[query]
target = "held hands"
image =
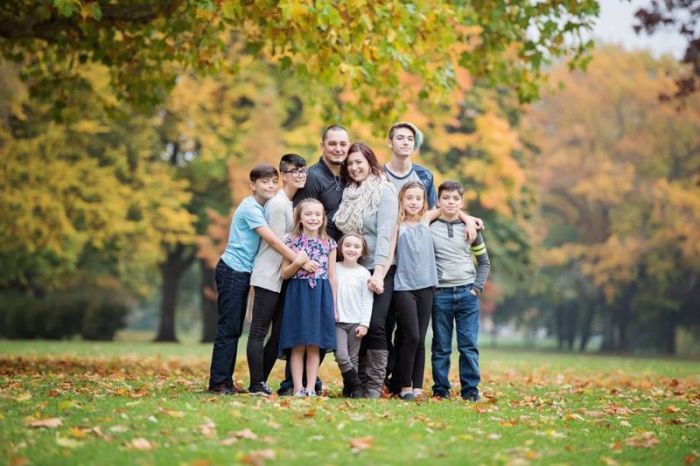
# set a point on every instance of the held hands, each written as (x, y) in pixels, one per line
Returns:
(376, 284)
(360, 331)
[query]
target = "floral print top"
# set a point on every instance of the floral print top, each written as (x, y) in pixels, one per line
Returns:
(317, 249)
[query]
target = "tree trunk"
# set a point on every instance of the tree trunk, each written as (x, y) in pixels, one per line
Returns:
(210, 313)
(586, 327)
(175, 264)
(669, 334)
(571, 324)
(559, 326)
(608, 330)
(623, 325)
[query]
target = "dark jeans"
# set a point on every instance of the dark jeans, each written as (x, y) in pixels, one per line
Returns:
(413, 310)
(455, 304)
(376, 338)
(232, 287)
(392, 341)
(267, 312)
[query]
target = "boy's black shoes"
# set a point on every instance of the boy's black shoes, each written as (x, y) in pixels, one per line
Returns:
(222, 389)
(472, 397)
(441, 395)
(262, 389)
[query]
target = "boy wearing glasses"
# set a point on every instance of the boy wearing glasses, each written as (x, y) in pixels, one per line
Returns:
(266, 278)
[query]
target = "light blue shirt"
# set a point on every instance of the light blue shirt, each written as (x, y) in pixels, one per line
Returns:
(243, 240)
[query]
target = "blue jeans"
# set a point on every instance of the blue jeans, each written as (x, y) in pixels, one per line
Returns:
(232, 287)
(450, 305)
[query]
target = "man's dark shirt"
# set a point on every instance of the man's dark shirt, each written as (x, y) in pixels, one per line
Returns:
(321, 184)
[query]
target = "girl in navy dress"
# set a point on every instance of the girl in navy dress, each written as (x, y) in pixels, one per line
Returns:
(309, 315)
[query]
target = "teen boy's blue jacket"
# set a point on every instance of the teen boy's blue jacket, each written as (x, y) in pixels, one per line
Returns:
(426, 178)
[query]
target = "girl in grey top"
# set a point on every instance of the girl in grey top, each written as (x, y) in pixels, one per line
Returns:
(414, 286)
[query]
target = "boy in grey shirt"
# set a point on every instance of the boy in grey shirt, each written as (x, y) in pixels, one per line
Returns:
(457, 297)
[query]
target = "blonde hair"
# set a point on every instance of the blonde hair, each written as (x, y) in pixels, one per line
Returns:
(298, 228)
(402, 194)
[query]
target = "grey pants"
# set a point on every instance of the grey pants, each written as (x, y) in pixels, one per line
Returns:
(372, 370)
(347, 346)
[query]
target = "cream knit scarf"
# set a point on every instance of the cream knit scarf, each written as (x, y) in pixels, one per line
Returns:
(357, 202)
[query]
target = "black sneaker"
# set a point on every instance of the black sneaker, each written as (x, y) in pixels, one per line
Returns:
(472, 397)
(222, 389)
(441, 395)
(262, 389)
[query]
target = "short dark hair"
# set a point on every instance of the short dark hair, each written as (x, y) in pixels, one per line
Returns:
(291, 161)
(450, 185)
(263, 170)
(374, 167)
(332, 128)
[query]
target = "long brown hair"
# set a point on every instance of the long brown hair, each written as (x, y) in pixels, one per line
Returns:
(362, 148)
(298, 228)
(402, 194)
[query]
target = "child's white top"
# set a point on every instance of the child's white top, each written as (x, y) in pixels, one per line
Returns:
(354, 297)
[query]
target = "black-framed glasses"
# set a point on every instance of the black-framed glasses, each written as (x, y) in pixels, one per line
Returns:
(296, 171)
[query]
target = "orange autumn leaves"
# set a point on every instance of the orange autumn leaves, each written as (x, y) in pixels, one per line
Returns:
(150, 405)
(617, 168)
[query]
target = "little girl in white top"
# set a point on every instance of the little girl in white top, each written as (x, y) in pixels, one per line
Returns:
(354, 310)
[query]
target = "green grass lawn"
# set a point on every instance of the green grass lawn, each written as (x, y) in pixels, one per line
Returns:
(142, 403)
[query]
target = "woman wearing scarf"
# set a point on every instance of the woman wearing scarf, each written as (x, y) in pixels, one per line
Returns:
(370, 207)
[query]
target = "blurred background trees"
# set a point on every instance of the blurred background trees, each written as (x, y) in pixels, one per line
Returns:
(127, 131)
(617, 173)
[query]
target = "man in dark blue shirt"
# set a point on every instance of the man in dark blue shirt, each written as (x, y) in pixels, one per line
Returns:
(324, 181)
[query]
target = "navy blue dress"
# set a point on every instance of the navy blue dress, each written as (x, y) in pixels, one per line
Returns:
(308, 316)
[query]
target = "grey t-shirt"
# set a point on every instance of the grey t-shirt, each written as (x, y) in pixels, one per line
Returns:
(415, 258)
(279, 216)
(399, 181)
(454, 256)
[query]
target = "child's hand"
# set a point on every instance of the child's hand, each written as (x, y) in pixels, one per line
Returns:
(474, 293)
(376, 284)
(470, 230)
(311, 266)
(360, 331)
(301, 258)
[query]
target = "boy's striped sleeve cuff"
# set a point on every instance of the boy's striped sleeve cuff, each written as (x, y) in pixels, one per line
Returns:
(479, 249)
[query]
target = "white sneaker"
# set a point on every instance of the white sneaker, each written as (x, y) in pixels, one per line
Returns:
(311, 393)
(301, 393)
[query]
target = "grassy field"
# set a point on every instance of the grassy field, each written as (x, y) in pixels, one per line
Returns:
(143, 403)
